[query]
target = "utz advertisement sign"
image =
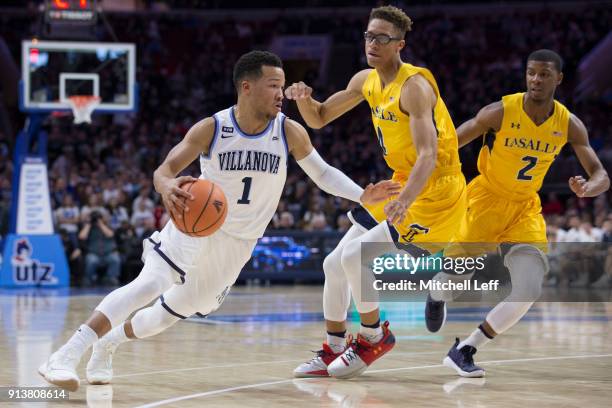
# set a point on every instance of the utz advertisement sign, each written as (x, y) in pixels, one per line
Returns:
(35, 260)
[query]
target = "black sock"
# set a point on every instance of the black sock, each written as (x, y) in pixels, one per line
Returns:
(337, 334)
(372, 326)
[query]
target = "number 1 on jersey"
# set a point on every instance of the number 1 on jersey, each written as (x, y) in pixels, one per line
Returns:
(381, 140)
(247, 190)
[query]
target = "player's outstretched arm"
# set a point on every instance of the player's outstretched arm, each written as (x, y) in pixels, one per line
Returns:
(488, 118)
(418, 100)
(318, 114)
(598, 181)
(328, 178)
(196, 141)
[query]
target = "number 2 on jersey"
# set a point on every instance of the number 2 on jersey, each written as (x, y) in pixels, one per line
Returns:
(531, 162)
(381, 140)
(247, 190)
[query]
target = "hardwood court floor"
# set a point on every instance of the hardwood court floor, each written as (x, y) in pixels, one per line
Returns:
(560, 355)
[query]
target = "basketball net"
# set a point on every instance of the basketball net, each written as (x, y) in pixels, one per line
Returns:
(82, 106)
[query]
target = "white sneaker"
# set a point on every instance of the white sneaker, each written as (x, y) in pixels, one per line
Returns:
(348, 365)
(60, 369)
(361, 354)
(317, 366)
(100, 365)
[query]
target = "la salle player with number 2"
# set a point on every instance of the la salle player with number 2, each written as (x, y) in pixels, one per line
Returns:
(524, 134)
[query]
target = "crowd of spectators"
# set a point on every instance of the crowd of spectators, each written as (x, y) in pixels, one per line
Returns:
(100, 175)
(573, 231)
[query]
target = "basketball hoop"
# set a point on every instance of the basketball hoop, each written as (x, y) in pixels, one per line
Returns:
(82, 106)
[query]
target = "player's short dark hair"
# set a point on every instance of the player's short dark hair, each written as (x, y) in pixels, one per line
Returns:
(545, 55)
(395, 16)
(249, 65)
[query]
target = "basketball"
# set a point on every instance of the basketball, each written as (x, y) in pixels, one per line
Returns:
(207, 211)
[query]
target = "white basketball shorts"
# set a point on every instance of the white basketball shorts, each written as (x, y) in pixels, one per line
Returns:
(205, 268)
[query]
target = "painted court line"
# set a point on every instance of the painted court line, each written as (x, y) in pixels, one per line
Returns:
(265, 384)
(177, 370)
(514, 360)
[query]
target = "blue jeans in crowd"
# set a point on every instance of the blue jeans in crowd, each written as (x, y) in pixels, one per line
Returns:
(111, 263)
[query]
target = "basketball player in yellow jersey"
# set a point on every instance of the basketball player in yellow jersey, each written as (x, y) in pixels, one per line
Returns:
(526, 131)
(419, 142)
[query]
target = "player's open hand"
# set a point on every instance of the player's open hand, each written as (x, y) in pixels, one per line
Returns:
(375, 193)
(175, 198)
(579, 186)
(396, 211)
(298, 91)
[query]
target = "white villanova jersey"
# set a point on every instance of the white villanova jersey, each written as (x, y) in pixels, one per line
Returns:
(251, 170)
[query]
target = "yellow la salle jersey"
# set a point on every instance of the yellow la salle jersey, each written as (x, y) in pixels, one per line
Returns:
(515, 163)
(392, 126)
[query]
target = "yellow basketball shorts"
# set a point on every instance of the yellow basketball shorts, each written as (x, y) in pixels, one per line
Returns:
(434, 217)
(491, 218)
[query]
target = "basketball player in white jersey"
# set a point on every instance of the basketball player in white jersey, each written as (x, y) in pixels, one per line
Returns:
(244, 149)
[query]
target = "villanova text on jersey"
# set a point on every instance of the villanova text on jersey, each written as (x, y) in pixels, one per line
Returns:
(250, 168)
(249, 160)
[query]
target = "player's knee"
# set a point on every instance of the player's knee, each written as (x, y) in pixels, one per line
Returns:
(332, 264)
(166, 320)
(517, 255)
(349, 254)
(151, 321)
(527, 266)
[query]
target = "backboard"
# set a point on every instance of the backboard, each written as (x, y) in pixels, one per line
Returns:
(53, 71)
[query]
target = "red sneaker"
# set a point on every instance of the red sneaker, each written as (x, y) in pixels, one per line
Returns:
(360, 355)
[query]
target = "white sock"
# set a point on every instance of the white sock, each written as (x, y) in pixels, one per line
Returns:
(372, 334)
(117, 335)
(82, 339)
(477, 339)
(336, 343)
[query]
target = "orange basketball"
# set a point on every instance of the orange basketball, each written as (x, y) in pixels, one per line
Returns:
(207, 211)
